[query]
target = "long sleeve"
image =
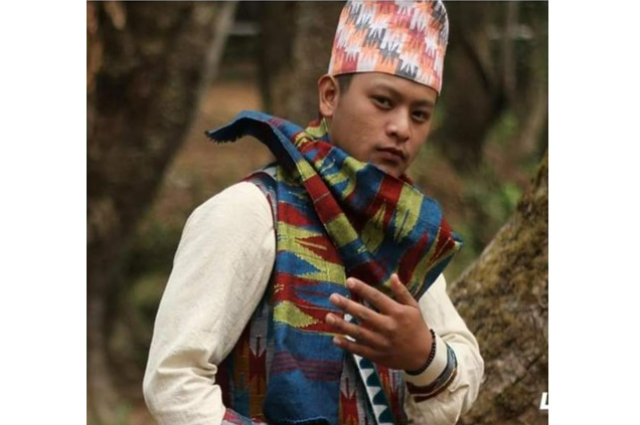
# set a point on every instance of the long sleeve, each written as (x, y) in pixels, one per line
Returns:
(456, 397)
(220, 272)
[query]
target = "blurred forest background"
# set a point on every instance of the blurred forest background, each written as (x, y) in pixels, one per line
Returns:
(160, 73)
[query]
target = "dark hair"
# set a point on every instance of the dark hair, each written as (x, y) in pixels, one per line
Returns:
(344, 81)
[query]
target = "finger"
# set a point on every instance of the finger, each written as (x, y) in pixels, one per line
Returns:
(362, 335)
(380, 301)
(359, 311)
(402, 294)
(355, 348)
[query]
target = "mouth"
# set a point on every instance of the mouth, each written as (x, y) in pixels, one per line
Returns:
(394, 154)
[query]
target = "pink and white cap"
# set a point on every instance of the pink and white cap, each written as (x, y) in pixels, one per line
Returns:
(403, 38)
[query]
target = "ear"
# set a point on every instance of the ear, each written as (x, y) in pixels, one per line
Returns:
(328, 95)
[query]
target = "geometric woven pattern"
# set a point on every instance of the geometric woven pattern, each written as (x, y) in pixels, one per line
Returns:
(336, 217)
(404, 38)
(375, 393)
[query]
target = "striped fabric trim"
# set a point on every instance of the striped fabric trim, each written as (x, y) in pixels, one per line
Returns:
(421, 393)
(437, 366)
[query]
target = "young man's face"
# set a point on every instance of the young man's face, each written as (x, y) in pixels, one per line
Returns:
(381, 118)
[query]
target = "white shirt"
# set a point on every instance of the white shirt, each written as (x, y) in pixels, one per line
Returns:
(220, 272)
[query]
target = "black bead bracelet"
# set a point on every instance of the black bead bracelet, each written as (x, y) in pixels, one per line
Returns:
(432, 356)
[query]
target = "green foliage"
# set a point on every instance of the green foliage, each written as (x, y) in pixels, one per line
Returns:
(148, 265)
(504, 130)
(489, 202)
(122, 413)
(154, 246)
(479, 203)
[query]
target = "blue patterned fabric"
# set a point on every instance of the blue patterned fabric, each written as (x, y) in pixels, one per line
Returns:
(336, 217)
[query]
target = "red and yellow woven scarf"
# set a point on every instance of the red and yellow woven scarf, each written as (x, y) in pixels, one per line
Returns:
(336, 217)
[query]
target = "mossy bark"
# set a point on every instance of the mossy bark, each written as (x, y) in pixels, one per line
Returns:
(503, 297)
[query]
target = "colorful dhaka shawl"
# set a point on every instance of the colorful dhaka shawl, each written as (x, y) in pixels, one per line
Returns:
(336, 217)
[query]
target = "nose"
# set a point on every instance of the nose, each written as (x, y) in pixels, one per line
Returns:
(399, 126)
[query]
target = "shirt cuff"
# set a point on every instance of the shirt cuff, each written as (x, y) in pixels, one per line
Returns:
(437, 376)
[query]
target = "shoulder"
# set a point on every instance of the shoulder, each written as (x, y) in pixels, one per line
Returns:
(237, 214)
(242, 201)
(237, 219)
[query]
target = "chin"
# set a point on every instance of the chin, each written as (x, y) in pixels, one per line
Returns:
(395, 172)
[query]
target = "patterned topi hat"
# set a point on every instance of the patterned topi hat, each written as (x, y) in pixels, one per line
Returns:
(404, 38)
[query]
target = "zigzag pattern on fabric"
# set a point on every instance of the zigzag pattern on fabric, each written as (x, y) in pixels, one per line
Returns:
(336, 217)
(243, 373)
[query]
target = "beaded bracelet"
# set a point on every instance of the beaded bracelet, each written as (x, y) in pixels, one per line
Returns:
(432, 356)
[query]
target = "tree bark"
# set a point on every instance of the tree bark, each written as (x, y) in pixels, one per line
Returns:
(496, 61)
(296, 47)
(503, 296)
(472, 96)
(148, 65)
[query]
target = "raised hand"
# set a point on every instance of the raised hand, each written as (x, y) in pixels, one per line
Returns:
(394, 334)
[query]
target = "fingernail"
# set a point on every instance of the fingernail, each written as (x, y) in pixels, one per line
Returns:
(330, 319)
(335, 299)
(336, 340)
(351, 283)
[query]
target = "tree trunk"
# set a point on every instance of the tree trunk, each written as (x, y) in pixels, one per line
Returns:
(472, 97)
(296, 47)
(495, 65)
(504, 298)
(148, 65)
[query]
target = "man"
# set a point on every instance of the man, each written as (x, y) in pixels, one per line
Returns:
(312, 293)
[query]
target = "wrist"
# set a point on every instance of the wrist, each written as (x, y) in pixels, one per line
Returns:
(430, 357)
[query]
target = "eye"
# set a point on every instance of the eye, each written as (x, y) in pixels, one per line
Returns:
(421, 116)
(382, 101)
